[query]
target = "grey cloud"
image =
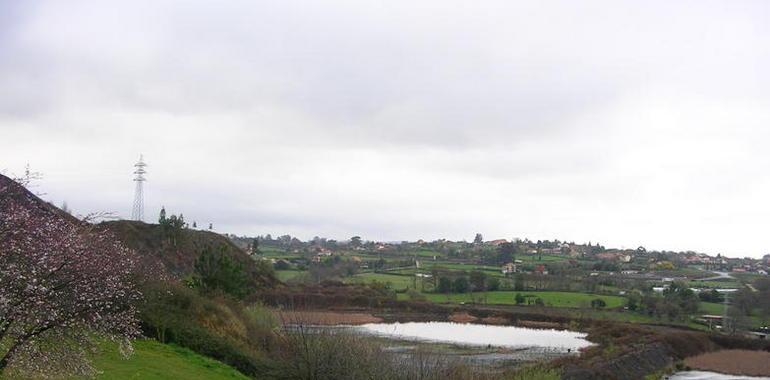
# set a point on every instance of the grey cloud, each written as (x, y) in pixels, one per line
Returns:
(604, 120)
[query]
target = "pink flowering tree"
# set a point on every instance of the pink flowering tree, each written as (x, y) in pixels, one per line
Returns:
(64, 286)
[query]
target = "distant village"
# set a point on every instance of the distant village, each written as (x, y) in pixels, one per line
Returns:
(627, 262)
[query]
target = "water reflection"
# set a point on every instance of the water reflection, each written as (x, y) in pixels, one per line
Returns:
(479, 335)
(703, 375)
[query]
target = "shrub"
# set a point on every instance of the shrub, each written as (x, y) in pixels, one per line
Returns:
(493, 283)
(218, 327)
(281, 265)
(444, 285)
(307, 353)
(519, 283)
(634, 299)
(598, 303)
(415, 295)
(460, 284)
(711, 296)
(216, 271)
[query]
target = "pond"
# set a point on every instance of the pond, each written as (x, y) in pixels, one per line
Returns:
(479, 335)
(487, 347)
(703, 375)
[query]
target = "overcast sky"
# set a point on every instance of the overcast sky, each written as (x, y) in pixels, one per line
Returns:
(624, 122)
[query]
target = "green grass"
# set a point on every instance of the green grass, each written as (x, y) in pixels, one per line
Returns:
(489, 271)
(714, 284)
(539, 259)
(429, 253)
(712, 308)
(553, 299)
(746, 277)
(285, 275)
(273, 251)
(397, 282)
(152, 360)
(426, 265)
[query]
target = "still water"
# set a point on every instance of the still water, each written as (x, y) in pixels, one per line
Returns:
(479, 335)
(703, 375)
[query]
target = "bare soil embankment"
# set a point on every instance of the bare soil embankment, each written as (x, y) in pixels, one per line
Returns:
(734, 362)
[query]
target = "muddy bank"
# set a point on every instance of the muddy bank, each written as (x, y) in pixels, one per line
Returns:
(734, 362)
(463, 317)
(324, 318)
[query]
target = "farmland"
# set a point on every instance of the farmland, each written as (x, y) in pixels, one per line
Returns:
(395, 281)
(550, 299)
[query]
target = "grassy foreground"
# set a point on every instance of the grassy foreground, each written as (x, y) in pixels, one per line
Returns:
(153, 360)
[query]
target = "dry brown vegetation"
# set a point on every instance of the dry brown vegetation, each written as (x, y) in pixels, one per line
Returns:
(735, 362)
(313, 354)
(539, 325)
(492, 320)
(325, 318)
(462, 317)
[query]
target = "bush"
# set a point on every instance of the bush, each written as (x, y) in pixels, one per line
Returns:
(282, 265)
(444, 285)
(711, 296)
(218, 328)
(634, 299)
(598, 303)
(215, 271)
(519, 283)
(415, 295)
(460, 284)
(493, 284)
(329, 354)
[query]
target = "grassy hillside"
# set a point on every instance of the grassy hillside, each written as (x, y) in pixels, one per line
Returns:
(179, 257)
(154, 361)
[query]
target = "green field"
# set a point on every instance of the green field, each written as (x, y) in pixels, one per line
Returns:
(152, 360)
(272, 251)
(285, 275)
(712, 308)
(427, 268)
(714, 284)
(397, 282)
(554, 299)
(540, 259)
(747, 277)
(429, 253)
(278, 253)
